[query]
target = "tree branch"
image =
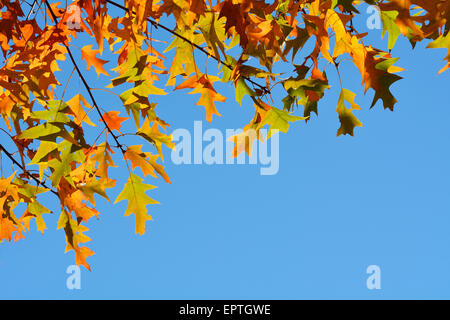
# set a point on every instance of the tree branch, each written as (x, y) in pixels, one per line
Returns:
(31, 9)
(119, 145)
(157, 24)
(39, 182)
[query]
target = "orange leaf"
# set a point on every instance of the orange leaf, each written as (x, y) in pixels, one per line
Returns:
(204, 86)
(90, 56)
(146, 161)
(113, 120)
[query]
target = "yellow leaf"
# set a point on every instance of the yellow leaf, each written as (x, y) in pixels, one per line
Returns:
(76, 106)
(146, 161)
(135, 193)
(204, 86)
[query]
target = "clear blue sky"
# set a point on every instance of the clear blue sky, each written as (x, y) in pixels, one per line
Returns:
(337, 205)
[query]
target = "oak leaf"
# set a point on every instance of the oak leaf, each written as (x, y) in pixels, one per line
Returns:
(135, 193)
(90, 56)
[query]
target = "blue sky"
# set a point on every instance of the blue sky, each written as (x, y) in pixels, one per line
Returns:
(336, 206)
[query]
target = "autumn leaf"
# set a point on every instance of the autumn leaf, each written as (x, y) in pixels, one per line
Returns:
(135, 193)
(146, 161)
(388, 18)
(113, 120)
(90, 56)
(77, 105)
(346, 116)
(244, 141)
(155, 137)
(204, 86)
(275, 56)
(242, 89)
(95, 186)
(74, 238)
(442, 42)
(278, 120)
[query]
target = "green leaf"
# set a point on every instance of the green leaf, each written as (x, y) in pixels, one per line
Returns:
(389, 26)
(213, 31)
(45, 149)
(346, 116)
(142, 89)
(297, 43)
(385, 81)
(442, 42)
(278, 120)
(297, 89)
(40, 131)
(37, 210)
(92, 187)
(347, 4)
(152, 135)
(62, 167)
(54, 113)
(135, 193)
(243, 89)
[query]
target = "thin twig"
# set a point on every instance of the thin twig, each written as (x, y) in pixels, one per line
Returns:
(39, 182)
(88, 88)
(158, 25)
(32, 9)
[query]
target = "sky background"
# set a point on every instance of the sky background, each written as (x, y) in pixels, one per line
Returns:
(336, 206)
